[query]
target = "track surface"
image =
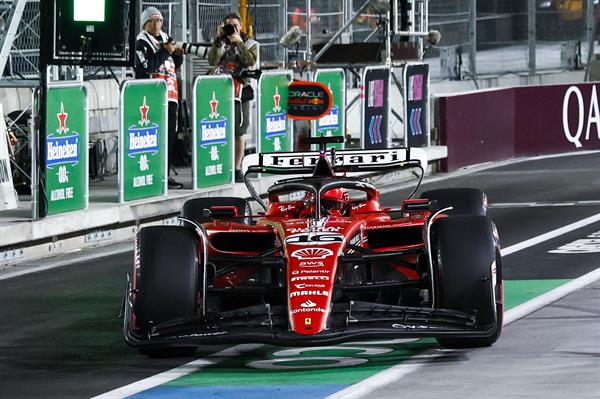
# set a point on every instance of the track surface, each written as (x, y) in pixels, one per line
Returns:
(60, 336)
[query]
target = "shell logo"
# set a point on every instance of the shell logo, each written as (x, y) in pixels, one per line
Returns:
(312, 253)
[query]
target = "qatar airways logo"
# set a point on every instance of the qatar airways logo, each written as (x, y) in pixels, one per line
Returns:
(574, 97)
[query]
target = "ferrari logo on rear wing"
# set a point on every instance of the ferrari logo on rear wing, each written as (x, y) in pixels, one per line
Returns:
(346, 160)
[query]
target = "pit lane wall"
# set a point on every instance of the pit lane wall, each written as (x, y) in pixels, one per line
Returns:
(500, 124)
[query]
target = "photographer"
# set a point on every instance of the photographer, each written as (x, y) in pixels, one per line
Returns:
(157, 57)
(232, 53)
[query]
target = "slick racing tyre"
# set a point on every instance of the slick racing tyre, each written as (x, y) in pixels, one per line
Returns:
(194, 208)
(166, 280)
(467, 275)
(465, 201)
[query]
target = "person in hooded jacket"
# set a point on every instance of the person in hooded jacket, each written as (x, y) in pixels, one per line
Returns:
(156, 57)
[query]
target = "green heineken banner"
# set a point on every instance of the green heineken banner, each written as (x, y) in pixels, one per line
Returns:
(143, 139)
(66, 183)
(274, 127)
(333, 124)
(213, 153)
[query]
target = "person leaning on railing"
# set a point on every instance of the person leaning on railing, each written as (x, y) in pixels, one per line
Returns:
(233, 52)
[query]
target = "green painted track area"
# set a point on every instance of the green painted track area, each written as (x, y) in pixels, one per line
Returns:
(275, 372)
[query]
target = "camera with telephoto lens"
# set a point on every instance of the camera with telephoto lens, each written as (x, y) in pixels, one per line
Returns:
(244, 74)
(228, 30)
(197, 49)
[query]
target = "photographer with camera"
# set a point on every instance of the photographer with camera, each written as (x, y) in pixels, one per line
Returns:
(156, 56)
(233, 52)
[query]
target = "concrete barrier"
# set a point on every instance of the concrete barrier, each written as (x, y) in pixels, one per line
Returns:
(500, 124)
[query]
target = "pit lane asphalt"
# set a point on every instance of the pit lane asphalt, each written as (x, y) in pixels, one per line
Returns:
(60, 336)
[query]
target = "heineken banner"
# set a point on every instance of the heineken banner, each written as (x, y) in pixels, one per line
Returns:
(416, 108)
(375, 108)
(333, 124)
(143, 139)
(213, 152)
(66, 183)
(274, 127)
(8, 198)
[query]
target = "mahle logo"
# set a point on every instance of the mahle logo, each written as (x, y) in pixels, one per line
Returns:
(213, 130)
(62, 146)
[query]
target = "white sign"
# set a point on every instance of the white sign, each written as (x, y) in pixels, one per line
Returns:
(8, 198)
(588, 245)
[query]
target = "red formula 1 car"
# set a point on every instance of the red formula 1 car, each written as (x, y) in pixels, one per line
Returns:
(324, 263)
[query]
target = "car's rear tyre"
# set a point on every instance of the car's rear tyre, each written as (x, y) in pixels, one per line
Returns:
(194, 209)
(465, 201)
(467, 275)
(166, 281)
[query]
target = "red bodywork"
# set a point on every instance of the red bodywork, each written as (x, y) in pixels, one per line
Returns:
(312, 248)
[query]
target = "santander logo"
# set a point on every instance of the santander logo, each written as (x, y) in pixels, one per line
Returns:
(308, 304)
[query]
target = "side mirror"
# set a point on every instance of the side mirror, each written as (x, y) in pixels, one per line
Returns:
(308, 100)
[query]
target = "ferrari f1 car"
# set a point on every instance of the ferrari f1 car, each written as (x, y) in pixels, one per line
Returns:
(324, 263)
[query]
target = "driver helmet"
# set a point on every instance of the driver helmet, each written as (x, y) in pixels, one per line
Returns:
(335, 199)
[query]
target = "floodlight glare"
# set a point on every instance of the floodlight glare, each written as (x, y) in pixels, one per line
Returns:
(88, 10)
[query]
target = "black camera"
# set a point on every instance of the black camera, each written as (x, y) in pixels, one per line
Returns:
(228, 30)
(248, 74)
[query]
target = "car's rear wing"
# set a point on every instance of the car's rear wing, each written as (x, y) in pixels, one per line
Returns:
(345, 160)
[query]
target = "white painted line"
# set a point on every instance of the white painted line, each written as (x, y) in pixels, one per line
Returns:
(503, 205)
(550, 235)
(379, 380)
(393, 374)
(156, 380)
(480, 168)
(64, 262)
(173, 374)
(551, 296)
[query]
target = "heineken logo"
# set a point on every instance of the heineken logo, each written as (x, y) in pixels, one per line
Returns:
(275, 125)
(276, 100)
(276, 121)
(61, 149)
(143, 138)
(331, 120)
(62, 120)
(213, 130)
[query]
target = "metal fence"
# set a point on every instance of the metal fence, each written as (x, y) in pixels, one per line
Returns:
(479, 37)
(25, 51)
(495, 37)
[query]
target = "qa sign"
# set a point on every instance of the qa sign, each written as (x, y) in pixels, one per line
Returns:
(574, 98)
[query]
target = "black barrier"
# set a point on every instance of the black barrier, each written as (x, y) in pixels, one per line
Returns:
(376, 108)
(416, 95)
